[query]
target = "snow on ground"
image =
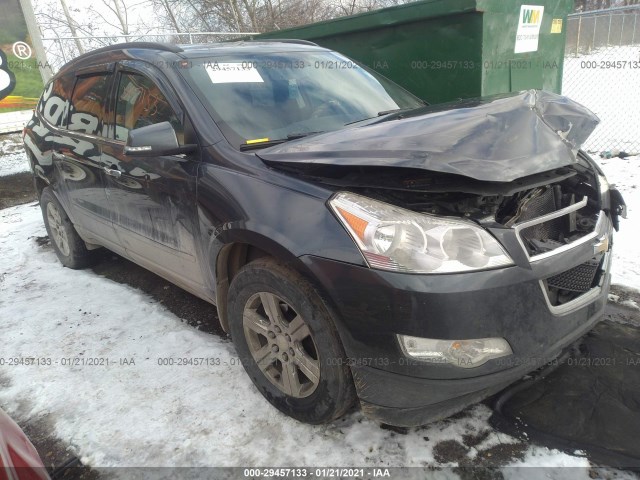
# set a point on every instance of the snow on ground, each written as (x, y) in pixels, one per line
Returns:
(144, 414)
(611, 93)
(625, 174)
(12, 157)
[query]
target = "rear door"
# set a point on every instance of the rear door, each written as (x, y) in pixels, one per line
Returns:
(77, 154)
(153, 198)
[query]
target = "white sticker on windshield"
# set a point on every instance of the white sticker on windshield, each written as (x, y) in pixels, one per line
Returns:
(223, 72)
(130, 94)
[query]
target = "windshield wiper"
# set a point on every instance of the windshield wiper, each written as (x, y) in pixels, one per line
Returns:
(381, 114)
(295, 135)
(395, 110)
(269, 143)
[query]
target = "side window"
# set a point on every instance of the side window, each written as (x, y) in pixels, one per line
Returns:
(140, 103)
(89, 104)
(54, 102)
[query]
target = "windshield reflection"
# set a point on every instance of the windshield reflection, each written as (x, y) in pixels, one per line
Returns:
(271, 97)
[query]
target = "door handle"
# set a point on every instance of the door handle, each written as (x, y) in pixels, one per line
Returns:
(113, 172)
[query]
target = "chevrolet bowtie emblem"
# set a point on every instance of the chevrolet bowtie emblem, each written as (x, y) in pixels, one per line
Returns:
(601, 245)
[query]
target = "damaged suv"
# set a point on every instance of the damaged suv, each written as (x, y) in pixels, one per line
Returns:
(358, 243)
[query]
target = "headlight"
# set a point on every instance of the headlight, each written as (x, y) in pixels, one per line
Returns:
(392, 238)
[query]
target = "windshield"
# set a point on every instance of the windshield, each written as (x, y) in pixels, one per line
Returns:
(257, 98)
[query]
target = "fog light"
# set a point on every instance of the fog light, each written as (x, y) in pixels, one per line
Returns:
(459, 353)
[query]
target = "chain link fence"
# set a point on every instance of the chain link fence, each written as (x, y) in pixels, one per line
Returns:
(602, 71)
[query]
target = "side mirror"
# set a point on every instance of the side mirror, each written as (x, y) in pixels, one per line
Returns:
(155, 140)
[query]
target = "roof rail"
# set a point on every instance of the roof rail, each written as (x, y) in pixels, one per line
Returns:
(167, 47)
(285, 40)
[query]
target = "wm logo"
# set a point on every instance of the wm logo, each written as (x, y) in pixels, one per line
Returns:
(531, 16)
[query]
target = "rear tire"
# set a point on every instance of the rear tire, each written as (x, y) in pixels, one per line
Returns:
(287, 342)
(69, 247)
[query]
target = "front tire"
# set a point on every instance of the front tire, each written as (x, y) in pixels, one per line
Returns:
(287, 342)
(69, 247)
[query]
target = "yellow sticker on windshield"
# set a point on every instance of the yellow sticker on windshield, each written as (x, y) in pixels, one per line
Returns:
(257, 140)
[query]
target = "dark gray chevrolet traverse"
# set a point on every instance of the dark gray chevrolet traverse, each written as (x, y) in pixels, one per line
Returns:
(358, 243)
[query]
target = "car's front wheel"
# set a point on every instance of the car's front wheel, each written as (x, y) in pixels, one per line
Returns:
(288, 343)
(69, 247)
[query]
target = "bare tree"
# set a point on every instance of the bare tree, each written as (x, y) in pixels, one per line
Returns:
(88, 24)
(118, 17)
(587, 5)
(56, 19)
(71, 24)
(256, 15)
(181, 16)
(167, 7)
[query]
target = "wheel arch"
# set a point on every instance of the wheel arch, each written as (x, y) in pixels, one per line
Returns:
(238, 251)
(39, 183)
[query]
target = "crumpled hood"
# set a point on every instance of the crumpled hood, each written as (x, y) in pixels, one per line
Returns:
(497, 139)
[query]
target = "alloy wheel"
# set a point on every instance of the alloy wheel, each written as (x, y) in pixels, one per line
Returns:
(57, 229)
(281, 344)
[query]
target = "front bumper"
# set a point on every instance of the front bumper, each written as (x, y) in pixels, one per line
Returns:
(374, 306)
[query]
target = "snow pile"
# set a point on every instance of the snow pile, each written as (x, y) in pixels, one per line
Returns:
(12, 156)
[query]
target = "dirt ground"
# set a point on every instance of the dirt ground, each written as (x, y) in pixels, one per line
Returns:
(18, 189)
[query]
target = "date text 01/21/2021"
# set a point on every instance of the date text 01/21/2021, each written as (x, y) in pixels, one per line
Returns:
(324, 472)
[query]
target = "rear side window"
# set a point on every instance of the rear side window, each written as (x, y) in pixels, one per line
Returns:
(89, 105)
(140, 103)
(54, 103)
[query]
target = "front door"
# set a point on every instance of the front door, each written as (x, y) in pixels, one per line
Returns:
(153, 198)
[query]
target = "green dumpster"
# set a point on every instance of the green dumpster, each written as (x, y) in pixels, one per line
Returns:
(443, 50)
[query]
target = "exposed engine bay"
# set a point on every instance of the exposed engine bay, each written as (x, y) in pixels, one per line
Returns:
(494, 204)
(535, 203)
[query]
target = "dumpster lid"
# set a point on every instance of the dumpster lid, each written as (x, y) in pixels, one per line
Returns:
(385, 17)
(499, 138)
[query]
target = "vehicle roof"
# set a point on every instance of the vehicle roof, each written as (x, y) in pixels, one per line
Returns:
(167, 52)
